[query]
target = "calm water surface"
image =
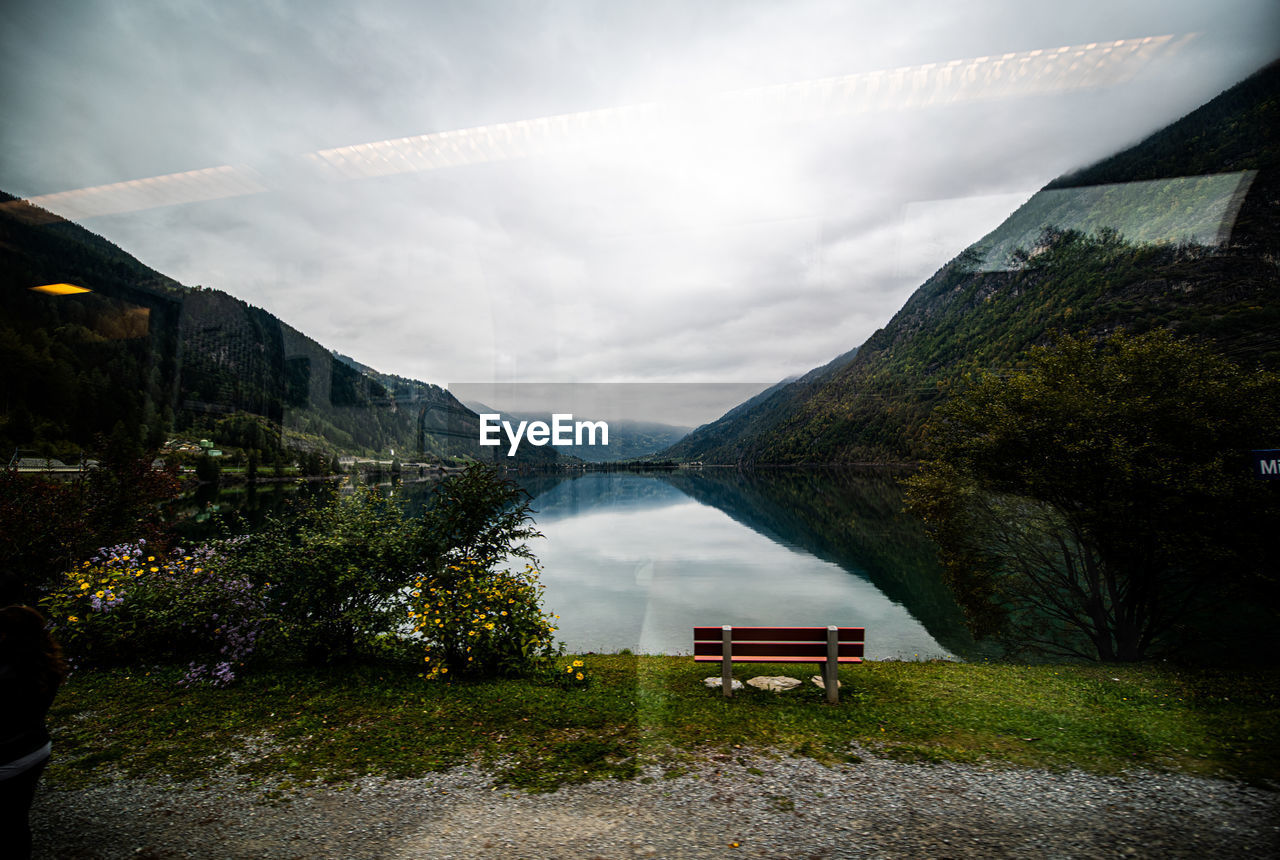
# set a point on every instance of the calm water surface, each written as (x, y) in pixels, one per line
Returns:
(637, 560)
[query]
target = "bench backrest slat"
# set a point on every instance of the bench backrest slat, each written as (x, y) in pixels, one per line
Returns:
(779, 634)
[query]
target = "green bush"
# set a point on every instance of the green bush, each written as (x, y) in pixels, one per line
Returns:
(343, 572)
(336, 571)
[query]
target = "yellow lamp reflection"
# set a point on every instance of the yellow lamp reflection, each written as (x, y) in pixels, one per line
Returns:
(60, 289)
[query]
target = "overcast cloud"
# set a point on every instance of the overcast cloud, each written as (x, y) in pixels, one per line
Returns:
(696, 249)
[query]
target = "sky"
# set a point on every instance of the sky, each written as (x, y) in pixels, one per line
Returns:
(639, 192)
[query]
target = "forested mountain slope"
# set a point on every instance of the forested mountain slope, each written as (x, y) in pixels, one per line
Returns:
(144, 356)
(1178, 231)
(718, 441)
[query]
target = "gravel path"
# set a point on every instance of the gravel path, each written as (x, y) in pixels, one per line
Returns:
(724, 807)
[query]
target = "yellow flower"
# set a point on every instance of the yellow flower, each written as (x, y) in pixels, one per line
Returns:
(101, 594)
(83, 586)
(155, 570)
(151, 558)
(578, 663)
(578, 676)
(568, 670)
(73, 619)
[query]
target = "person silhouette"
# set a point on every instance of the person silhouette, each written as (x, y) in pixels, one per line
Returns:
(31, 670)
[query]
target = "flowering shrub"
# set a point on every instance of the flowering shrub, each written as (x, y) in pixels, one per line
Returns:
(126, 604)
(477, 622)
(574, 675)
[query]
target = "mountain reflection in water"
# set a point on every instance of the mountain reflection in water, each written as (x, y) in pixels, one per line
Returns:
(636, 560)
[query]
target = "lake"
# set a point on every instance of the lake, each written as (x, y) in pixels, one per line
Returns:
(636, 560)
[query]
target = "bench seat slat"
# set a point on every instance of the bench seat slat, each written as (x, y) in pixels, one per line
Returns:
(773, 658)
(793, 650)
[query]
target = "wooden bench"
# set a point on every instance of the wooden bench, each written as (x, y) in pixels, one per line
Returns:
(828, 647)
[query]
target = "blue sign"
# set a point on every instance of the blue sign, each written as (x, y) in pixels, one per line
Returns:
(1266, 465)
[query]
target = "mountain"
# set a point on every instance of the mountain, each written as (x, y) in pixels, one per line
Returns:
(1178, 231)
(140, 356)
(243, 368)
(718, 441)
(633, 440)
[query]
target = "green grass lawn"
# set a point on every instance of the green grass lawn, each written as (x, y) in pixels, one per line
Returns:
(299, 724)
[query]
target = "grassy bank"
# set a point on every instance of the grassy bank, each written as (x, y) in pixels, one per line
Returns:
(303, 724)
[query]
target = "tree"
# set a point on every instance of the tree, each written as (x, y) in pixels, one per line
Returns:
(208, 470)
(474, 616)
(479, 517)
(1090, 503)
(48, 522)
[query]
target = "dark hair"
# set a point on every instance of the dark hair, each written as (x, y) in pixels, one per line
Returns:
(26, 645)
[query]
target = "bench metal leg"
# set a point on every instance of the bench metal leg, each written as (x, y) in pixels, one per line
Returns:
(726, 662)
(831, 671)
